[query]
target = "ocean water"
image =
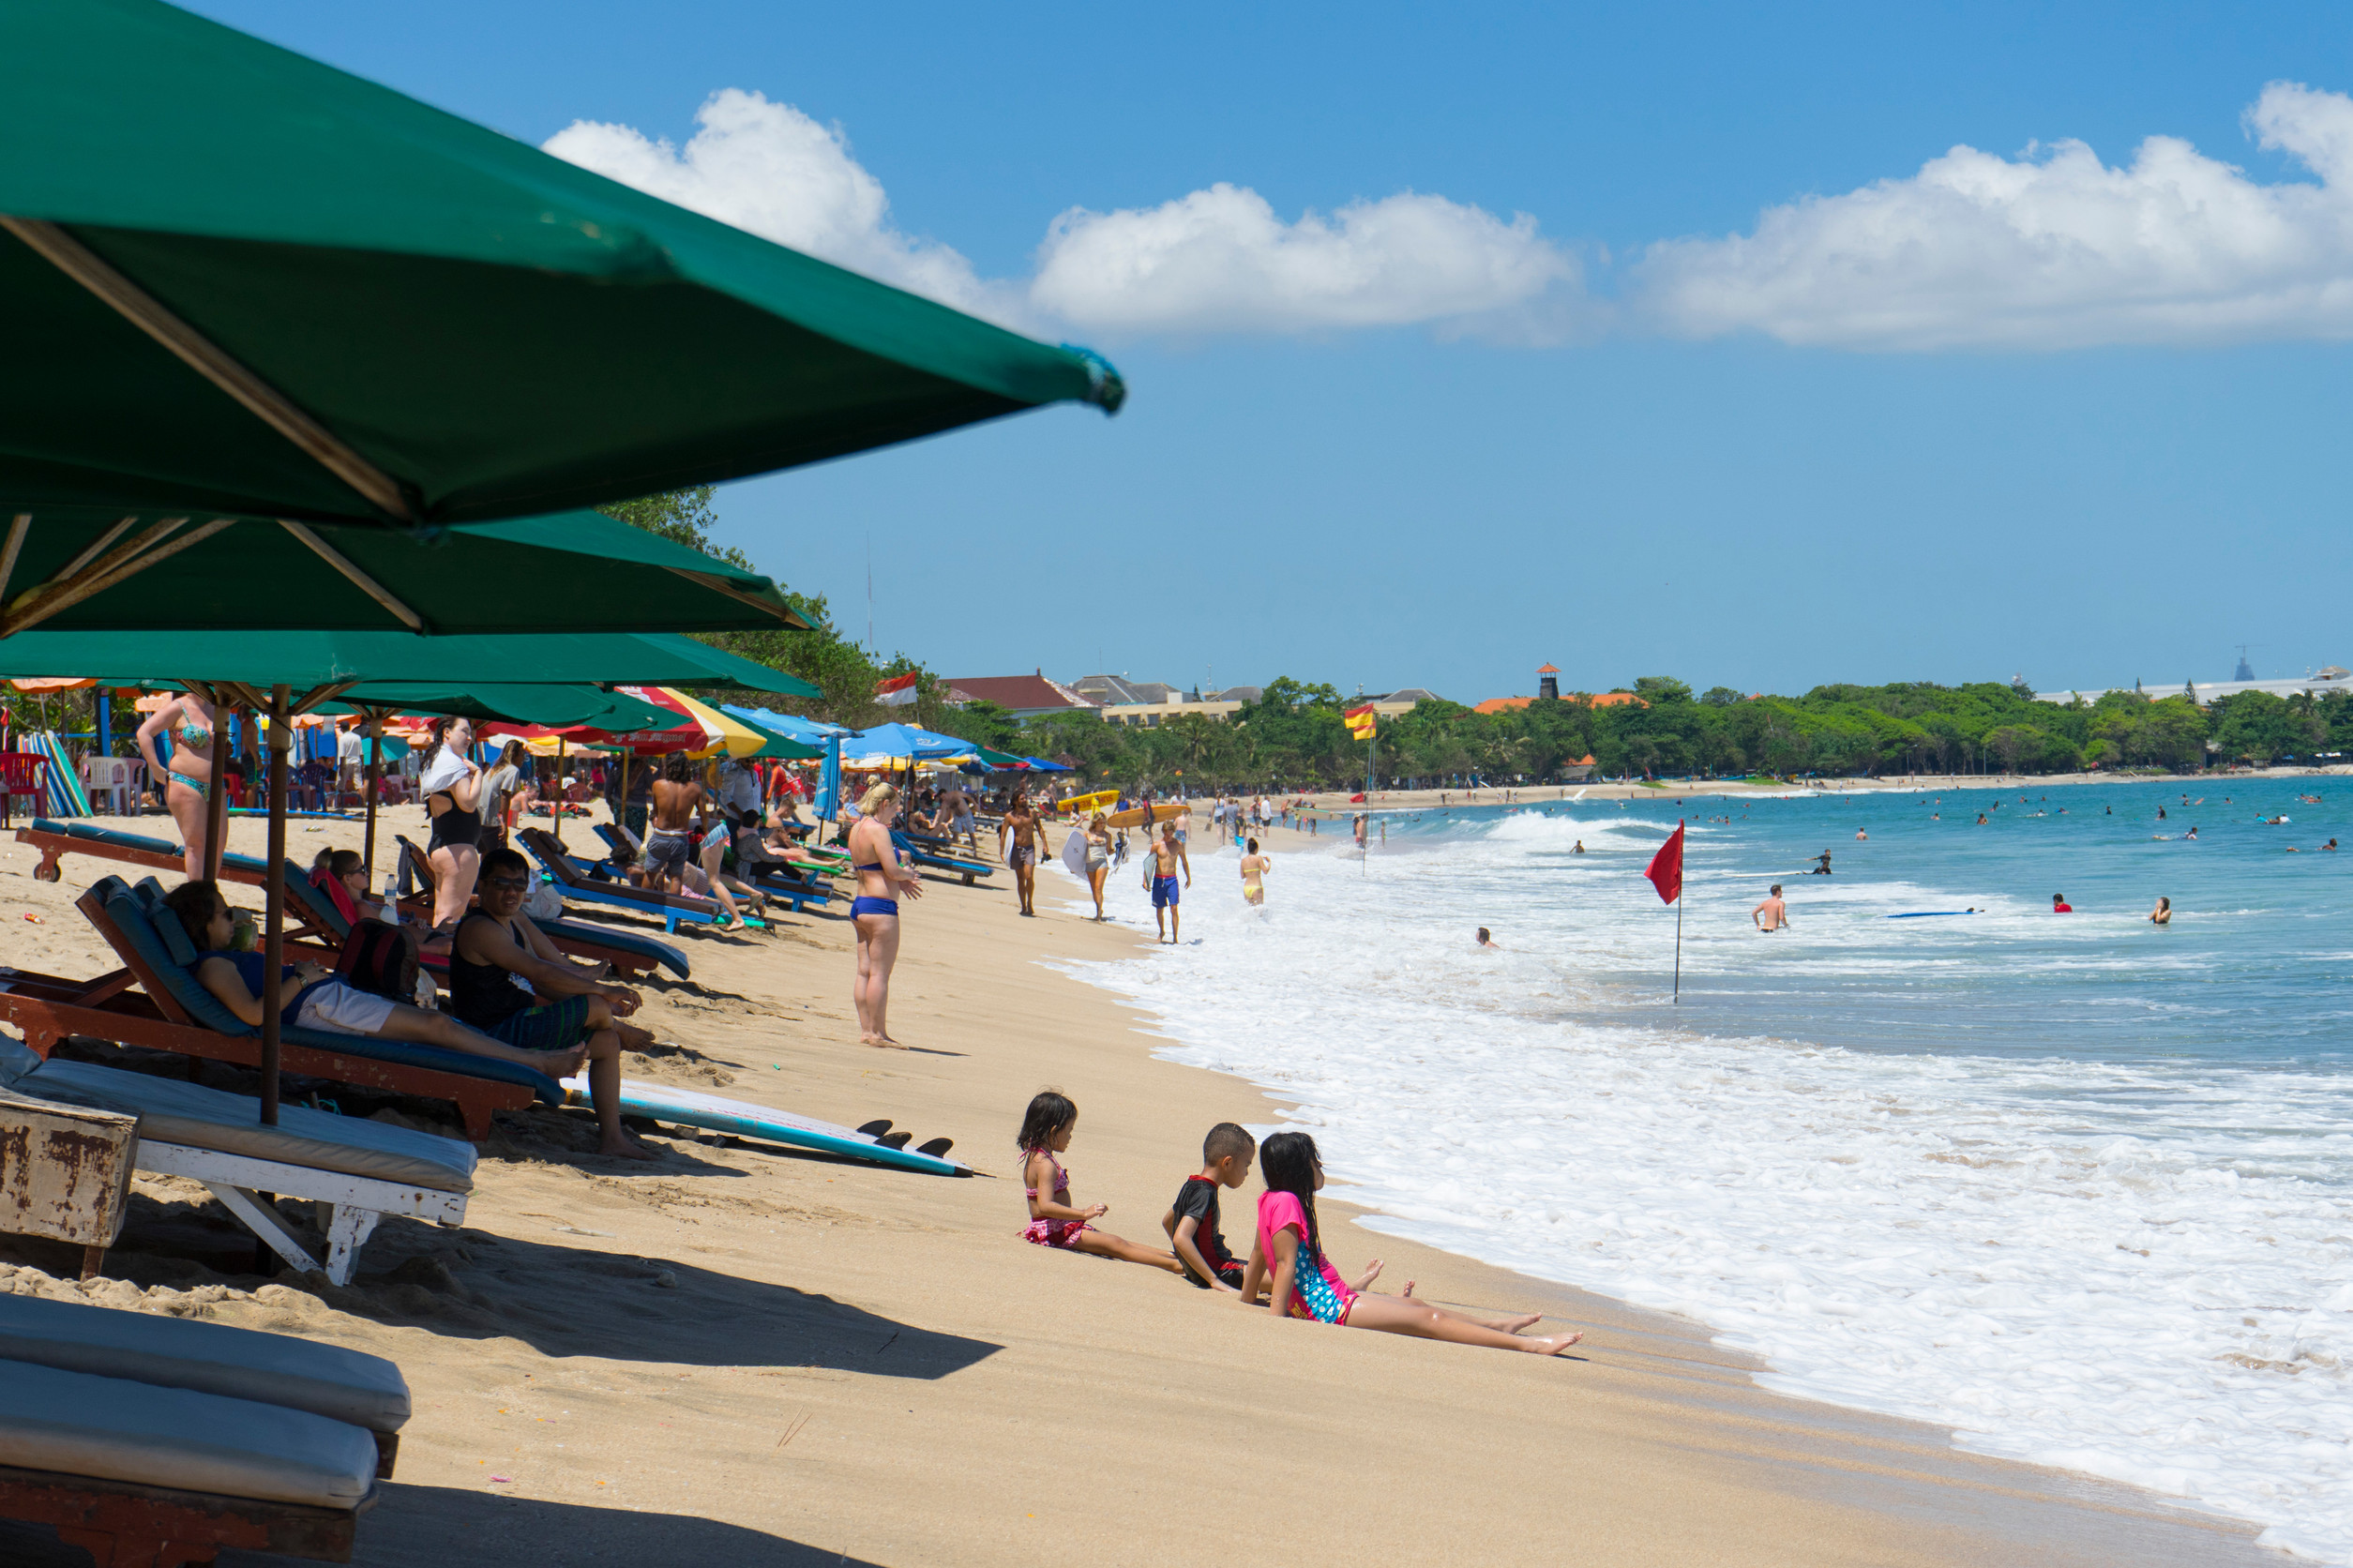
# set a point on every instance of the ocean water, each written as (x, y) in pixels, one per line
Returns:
(2078, 1188)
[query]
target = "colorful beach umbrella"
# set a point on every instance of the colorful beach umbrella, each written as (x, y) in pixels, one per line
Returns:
(235, 280)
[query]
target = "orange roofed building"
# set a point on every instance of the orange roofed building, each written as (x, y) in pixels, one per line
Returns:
(1600, 699)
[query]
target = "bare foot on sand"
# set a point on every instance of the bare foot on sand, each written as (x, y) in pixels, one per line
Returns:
(621, 1146)
(884, 1041)
(1553, 1346)
(1526, 1320)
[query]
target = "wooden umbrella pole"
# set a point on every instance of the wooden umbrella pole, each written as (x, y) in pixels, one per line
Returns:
(216, 799)
(371, 727)
(282, 733)
(563, 796)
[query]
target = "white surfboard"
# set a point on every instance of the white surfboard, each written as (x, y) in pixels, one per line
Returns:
(683, 1107)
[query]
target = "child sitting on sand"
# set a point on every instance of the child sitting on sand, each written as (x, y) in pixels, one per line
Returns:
(1191, 1221)
(1046, 1130)
(1290, 1250)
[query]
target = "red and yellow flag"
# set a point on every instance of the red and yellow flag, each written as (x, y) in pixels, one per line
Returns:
(1360, 722)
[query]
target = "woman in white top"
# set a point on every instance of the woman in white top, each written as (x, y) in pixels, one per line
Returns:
(452, 787)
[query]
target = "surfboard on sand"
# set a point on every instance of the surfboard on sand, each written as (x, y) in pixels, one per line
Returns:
(683, 1107)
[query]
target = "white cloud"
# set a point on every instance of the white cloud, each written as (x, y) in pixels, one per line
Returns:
(1216, 261)
(1220, 261)
(2041, 252)
(769, 167)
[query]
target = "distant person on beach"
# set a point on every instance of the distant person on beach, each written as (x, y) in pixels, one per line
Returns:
(1286, 1259)
(1192, 1222)
(1860, 833)
(1047, 1127)
(670, 828)
(2060, 904)
(2163, 914)
(1487, 941)
(1772, 915)
(883, 879)
(1254, 869)
(452, 787)
(1168, 859)
(1581, 848)
(1025, 845)
(1822, 868)
(1980, 820)
(2191, 836)
(188, 781)
(1098, 836)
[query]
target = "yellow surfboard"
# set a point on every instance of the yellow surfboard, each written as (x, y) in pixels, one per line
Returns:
(1078, 805)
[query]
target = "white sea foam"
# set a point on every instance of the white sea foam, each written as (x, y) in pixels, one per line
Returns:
(2142, 1271)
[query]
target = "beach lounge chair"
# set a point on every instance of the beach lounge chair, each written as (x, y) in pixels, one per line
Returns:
(175, 1014)
(155, 1441)
(573, 882)
(629, 953)
(357, 1171)
(967, 869)
(796, 889)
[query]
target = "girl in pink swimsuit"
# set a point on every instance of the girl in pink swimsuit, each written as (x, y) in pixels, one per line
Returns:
(1045, 1132)
(1289, 1255)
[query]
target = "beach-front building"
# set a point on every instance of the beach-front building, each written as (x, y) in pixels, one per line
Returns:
(1148, 704)
(2328, 678)
(1591, 699)
(1030, 696)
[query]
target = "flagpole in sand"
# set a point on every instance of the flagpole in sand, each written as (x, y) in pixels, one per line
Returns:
(1666, 874)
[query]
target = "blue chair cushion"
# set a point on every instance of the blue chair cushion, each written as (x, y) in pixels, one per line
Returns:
(97, 835)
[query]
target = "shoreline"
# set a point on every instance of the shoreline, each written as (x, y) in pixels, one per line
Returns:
(814, 1352)
(1336, 804)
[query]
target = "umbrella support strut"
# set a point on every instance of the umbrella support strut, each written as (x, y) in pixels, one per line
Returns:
(69, 256)
(282, 734)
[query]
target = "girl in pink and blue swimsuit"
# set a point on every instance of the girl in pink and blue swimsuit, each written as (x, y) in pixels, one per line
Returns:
(1288, 1258)
(1045, 1132)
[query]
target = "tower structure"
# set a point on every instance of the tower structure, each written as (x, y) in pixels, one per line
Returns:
(1547, 683)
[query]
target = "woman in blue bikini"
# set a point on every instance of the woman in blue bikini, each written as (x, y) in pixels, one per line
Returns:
(881, 879)
(188, 778)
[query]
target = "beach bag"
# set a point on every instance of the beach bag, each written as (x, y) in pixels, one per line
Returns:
(543, 902)
(380, 958)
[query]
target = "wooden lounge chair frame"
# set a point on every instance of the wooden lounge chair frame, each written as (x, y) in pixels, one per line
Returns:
(122, 1523)
(572, 938)
(46, 1010)
(353, 1206)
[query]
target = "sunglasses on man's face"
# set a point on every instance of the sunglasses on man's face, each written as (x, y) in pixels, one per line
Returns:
(512, 885)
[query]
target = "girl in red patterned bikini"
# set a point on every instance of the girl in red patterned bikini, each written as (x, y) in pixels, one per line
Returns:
(1046, 1131)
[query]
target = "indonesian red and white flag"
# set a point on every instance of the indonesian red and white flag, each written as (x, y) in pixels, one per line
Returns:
(1667, 867)
(898, 691)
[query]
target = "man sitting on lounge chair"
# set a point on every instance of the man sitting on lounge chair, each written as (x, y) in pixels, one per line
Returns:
(314, 998)
(508, 979)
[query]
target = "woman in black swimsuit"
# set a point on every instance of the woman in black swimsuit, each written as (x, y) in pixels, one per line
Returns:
(453, 801)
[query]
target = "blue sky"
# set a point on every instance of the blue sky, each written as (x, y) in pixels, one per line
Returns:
(2039, 410)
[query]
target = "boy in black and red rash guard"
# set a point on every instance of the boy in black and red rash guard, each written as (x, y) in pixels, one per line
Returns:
(1191, 1222)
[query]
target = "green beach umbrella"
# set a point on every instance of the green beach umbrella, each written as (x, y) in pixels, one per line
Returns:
(321, 666)
(234, 279)
(555, 706)
(91, 569)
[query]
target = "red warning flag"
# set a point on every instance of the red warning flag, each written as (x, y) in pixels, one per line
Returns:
(1667, 867)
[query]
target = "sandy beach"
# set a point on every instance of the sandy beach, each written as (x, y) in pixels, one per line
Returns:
(748, 1355)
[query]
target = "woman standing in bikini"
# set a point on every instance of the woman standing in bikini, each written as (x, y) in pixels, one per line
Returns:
(882, 881)
(188, 782)
(452, 787)
(1098, 859)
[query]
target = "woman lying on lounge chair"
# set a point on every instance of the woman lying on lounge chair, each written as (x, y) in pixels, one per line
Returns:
(314, 998)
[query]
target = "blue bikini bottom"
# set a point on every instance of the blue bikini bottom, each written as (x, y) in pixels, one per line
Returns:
(864, 905)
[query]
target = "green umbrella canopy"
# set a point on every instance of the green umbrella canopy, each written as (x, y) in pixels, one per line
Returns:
(91, 569)
(323, 666)
(556, 706)
(719, 668)
(237, 280)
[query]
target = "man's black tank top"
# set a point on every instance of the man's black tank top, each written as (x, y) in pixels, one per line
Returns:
(483, 995)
